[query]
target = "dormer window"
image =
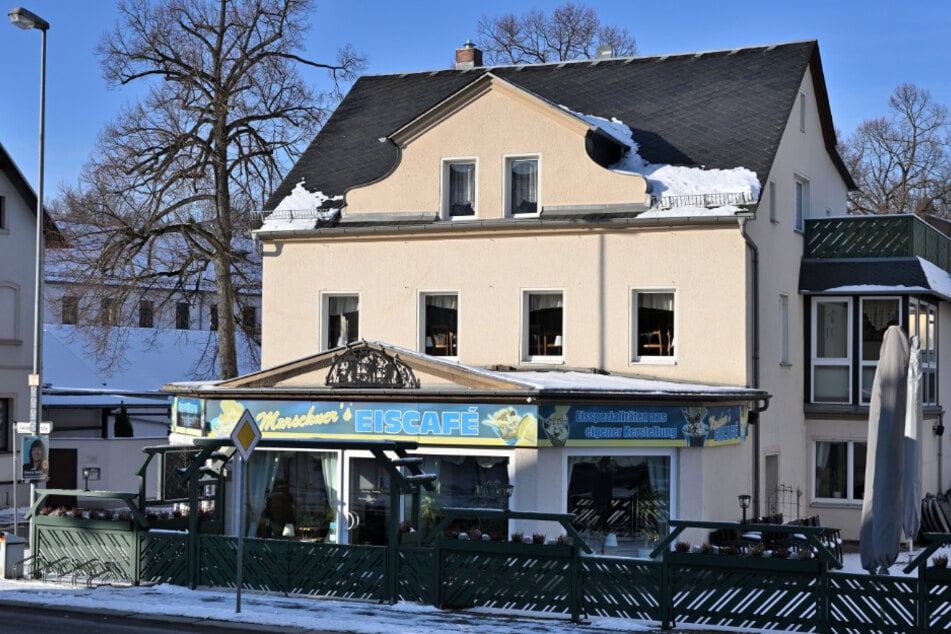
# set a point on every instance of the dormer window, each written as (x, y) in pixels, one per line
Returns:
(522, 186)
(459, 178)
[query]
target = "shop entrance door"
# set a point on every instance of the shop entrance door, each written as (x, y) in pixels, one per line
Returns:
(369, 502)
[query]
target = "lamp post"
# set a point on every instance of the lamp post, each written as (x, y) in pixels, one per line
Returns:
(744, 504)
(24, 19)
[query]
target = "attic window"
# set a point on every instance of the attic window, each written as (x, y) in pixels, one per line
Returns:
(459, 185)
(522, 186)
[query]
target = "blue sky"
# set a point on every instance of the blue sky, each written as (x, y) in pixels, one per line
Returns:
(868, 48)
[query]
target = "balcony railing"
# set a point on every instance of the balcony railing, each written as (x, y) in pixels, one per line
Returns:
(891, 236)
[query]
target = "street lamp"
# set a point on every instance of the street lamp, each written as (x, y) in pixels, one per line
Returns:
(24, 19)
(744, 504)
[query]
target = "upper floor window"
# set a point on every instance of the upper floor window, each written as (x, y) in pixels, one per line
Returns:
(9, 309)
(3, 212)
(839, 472)
(544, 316)
(522, 185)
(922, 320)
(800, 202)
(877, 315)
(771, 198)
(146, 314)
(69, 310)
(342, 324)
(182, 316)
(653, 321)
(459, 184)
(5, 416)
(831, 351)
(784, 329)
(249, 319)
(802, 111)
(441, 324)
(109, 312)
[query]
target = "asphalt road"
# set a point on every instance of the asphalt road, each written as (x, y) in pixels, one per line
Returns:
(36, 619)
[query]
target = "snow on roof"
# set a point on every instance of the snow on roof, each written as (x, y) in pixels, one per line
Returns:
(669, 182)
(301, 209)
(594, 382)
(153, 357)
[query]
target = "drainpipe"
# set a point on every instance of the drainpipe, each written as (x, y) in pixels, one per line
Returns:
(755, 412)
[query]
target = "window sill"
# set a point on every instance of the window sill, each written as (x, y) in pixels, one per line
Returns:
(11, 342)
(786, 364)
(654, 361)
(544, 361)
(835, 503)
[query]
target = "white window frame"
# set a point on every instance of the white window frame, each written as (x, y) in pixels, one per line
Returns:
(929, 362)
(421, 304)
(507, 189)
(525, 329)
(325, 314)
(633, 331)
(863, 364)
(846, 499)
(846, 361)
(444, 184)
(801, 201)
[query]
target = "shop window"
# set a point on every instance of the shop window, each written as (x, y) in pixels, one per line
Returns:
(440, 325)
(342, 324)
(522, 186)
(478, 481)
(182, 316)
(877, 315)
(839, 470)
(459, 185)
(653, 320)
(69, 310)
(922, 323)
(831, 351)
(544, 313)
(628, 496)
(146, 314)
(293, 494)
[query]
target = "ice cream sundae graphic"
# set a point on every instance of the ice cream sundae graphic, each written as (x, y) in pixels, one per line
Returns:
(695, 431)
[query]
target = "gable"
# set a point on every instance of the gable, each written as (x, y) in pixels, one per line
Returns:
(485, 124)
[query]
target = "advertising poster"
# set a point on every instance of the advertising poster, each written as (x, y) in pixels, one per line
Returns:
(36, 463)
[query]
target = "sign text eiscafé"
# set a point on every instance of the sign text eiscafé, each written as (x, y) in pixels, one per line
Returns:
(472, 423)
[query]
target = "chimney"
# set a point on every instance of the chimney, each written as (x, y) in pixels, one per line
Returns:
(604, 51)
(468, 56)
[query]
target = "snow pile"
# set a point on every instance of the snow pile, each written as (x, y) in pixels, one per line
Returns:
(301, 209)
(701, 192)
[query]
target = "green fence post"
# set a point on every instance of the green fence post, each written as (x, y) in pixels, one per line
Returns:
(824, 602)
(575, 575)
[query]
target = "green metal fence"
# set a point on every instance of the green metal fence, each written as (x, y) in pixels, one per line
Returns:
(744, 591)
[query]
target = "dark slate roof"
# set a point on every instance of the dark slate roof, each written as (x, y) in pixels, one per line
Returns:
(720, 109)
(887, 274)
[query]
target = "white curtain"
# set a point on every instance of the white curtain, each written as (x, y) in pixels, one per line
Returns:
(525, 186)
(330, 466)
(462, 188)
(449, 302)
(342, 306)
(544, 301)
(260, 479)
(657, 301)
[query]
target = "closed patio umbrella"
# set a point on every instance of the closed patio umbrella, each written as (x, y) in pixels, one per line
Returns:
(912, 484)
(882, 508)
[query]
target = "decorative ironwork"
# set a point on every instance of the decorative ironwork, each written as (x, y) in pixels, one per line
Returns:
(363, 366)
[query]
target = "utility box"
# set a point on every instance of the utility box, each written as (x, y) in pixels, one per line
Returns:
(12, 550)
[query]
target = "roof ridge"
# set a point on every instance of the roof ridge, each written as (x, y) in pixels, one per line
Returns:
(575, 62)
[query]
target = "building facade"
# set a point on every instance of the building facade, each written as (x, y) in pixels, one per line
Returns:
(617, 243)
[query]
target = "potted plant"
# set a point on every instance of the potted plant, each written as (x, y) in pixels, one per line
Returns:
(682, 547)
(939, 561)
(650, 516)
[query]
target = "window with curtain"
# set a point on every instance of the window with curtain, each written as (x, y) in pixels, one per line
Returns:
(877, 315)
(440, 325)
(523, 186)
(839, 470)
(293, 495)
(343, 320)
(831, 355)
(545, 336)
(460, 178)
(653, 319)
(625, 495)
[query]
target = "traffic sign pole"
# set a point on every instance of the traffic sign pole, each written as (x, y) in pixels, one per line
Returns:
(245, 437)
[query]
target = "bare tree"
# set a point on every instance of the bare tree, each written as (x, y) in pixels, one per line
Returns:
(173, 179)
(901, 162)
(571, 32)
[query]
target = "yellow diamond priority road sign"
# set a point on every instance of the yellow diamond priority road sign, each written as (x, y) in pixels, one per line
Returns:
(245, 434)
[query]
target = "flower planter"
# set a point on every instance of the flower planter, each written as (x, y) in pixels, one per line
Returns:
(743, 562)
